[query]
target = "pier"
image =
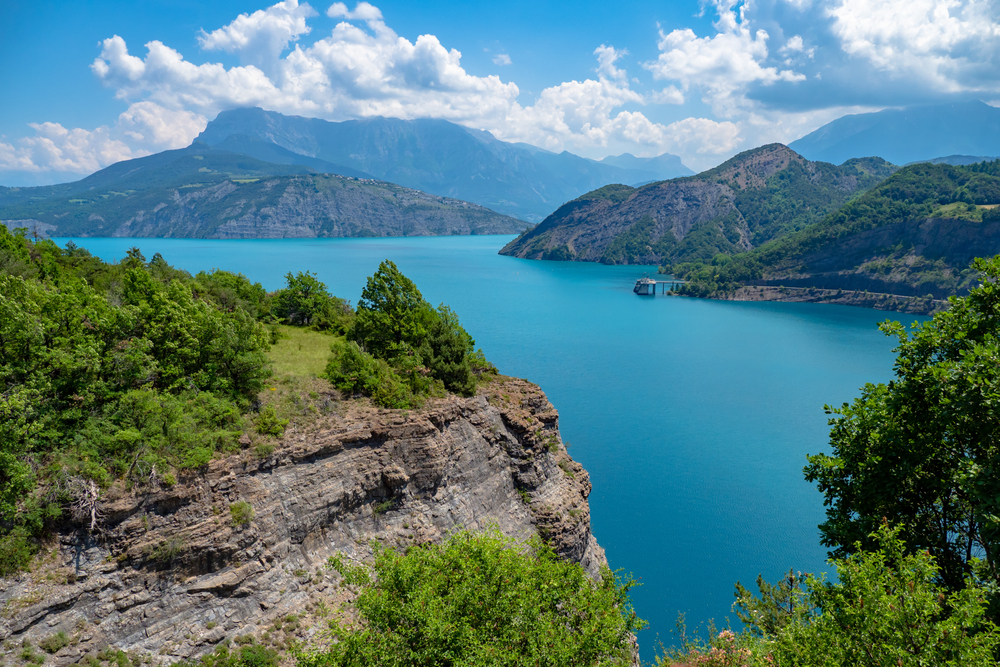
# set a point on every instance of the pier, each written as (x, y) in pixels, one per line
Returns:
(646, 286)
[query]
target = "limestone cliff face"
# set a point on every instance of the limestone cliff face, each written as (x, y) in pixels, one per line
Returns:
(172, 574)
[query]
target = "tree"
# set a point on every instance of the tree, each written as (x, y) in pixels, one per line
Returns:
(392, 314)
(304, 301)
(886, 609)
(482, 599)
(923, 451)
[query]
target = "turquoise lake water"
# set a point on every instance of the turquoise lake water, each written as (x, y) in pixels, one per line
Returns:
(693, 417)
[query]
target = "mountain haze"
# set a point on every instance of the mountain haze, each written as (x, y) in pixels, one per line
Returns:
(745, 202)
(442, 158)
(902, 136)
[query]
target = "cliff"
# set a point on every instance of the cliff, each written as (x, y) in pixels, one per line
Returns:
(749, 200)
(170, 574)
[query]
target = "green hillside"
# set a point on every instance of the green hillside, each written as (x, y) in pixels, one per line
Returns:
(915, 234)
(749, 200)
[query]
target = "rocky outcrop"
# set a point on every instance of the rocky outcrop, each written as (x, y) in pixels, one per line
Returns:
(875, 300)
(750, 199)
(236, 548)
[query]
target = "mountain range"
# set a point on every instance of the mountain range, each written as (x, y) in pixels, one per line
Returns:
(438, 157)
(749, 200)
(204, 192)
(902, 136)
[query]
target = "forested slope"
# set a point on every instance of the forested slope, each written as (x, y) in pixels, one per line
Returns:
(752, 198)
(913, 235)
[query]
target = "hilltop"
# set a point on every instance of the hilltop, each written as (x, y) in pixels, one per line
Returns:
(203, 192)
(439, 157)
(752, 198)
(914, 235)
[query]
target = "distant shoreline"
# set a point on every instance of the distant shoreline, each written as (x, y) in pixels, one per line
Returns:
(878, 301)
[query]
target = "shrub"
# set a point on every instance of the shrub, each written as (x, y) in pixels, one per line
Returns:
(16, 551)
(241, 513)
(478, 599)
(267, 422)
(53, 643)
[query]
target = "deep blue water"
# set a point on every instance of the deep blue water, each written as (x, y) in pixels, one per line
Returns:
(693, 417)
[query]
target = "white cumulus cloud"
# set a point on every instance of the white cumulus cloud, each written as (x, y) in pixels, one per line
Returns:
(363, 68)
(143, 128)
(722, 65)
(949, 44)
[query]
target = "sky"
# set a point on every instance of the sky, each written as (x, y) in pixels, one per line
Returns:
(87, 84)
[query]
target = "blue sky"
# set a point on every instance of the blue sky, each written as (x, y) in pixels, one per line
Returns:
(91, 83)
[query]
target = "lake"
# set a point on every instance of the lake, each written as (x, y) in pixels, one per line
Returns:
(692, 416)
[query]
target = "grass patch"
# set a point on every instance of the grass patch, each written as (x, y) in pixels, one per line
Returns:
(301, 352)
(959, 211)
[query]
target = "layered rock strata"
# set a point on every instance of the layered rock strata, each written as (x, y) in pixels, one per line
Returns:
(172, 571)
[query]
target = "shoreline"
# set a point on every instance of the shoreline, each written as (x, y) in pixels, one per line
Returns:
(878, 301)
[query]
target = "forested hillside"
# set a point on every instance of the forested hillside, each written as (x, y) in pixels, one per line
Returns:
(201, 192)
(137, 372)
(914, 235)
(754, 197)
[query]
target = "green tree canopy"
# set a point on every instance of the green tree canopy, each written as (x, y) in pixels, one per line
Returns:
(392, 314)
(404, 348)
(923, 451)
(482, 599)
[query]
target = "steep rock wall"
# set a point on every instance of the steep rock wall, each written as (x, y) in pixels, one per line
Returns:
(171, 574)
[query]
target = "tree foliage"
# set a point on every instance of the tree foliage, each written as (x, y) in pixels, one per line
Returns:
(111, 371)
(886, 608)
(482, 599)
(305, 301)
(912, 194)
(402, 348)
(923, 451)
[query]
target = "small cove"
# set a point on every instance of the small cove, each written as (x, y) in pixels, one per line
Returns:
(693, 417)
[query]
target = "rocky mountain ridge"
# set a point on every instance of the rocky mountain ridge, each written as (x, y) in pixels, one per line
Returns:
(442, 158)
(170, 573)
(745, 202)
(201, 192)
(907, 135)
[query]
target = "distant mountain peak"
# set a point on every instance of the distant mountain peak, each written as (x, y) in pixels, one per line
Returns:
(442, 158)
(909, 134)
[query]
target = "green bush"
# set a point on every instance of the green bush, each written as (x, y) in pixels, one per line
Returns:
(16, 551)
(241, 513)
(354, 371)
(249, 655)
(53, 643)
(482, 599)
(267, 422)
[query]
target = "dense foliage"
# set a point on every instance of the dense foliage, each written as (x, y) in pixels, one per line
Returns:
(482, 599)
(400, 348)
(130, 371)
(923, 450)
(887, 608)
(914, 193)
